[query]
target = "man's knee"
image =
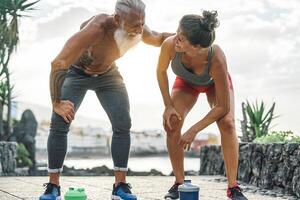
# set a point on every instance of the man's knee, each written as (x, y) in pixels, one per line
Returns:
(122, 126)
(58, 125)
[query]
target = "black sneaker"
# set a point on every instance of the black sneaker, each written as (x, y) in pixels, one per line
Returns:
(122, 192)
(52, 192)
(173, 192)
(235, 193)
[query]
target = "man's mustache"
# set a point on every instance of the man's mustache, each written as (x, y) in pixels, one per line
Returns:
(133, 34)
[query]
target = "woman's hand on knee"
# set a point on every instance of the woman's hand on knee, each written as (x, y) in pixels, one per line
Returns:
(171, 118)
(187, 138)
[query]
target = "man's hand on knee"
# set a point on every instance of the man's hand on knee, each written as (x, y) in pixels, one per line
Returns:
(65, 109)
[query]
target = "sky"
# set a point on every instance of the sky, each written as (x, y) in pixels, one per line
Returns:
(261, 40)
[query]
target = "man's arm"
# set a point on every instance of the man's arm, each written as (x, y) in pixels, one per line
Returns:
(154, 38)
(59, 68)
(71, 51)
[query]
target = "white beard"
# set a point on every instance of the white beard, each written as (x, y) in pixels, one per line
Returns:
(124, 41)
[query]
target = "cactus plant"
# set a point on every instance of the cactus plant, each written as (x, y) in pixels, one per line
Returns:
(256, 120)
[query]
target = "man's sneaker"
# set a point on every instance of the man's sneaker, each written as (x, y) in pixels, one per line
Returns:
(122, 192)
(52, 192)
(173, 192)
(235, 193)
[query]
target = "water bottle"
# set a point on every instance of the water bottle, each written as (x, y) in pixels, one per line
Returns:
(187, 191)
(75, 194)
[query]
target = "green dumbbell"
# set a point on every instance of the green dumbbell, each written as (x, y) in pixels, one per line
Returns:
(75, 194)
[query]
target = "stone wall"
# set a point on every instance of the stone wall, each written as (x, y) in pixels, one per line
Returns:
(268, 166)
(8, 153)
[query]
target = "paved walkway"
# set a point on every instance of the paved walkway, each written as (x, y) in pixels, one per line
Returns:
(99, 188)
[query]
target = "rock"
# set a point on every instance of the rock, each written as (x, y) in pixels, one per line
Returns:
(8, 153)
(290, 148)
(270, 166)
(256, 160)
(271, 193)
(153, 172)
(217, 179)
(22, 171)
(191, 173)
(275, 153)
(244, 172)
(105, 171)
(295, 158)
(296, 182)
(24, 132)
(293, 198)
(279, 175)
(211, 161)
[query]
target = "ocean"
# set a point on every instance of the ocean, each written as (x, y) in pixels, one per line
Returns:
(161, 163)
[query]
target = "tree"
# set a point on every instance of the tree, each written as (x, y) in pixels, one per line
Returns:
(11, 11)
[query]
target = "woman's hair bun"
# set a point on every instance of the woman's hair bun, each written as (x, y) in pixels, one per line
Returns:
(209, 20)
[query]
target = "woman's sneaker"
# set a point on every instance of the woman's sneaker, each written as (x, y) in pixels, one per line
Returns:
(52, 192)
(235, 193)
(173, 192)
(122, 192)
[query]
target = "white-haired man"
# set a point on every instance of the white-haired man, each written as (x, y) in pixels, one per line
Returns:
(86, 62)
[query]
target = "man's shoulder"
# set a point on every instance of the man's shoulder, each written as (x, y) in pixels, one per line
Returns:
(102, 18)
(96, 21)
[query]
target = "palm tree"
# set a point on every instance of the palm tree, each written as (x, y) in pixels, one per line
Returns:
(11, 11)
(3, 101)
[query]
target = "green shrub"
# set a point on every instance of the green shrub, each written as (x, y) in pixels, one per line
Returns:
(278, 137)
(295, 139)
(23, 159)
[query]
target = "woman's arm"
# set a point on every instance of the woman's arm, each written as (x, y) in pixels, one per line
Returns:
(161, 72)
(162, 78)
(220, 75)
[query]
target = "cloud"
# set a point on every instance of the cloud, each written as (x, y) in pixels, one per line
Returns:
(64, 24)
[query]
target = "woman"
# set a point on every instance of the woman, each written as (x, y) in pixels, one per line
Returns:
(200, 67)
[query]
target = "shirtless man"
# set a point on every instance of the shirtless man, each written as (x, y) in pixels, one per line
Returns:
(86, 62)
